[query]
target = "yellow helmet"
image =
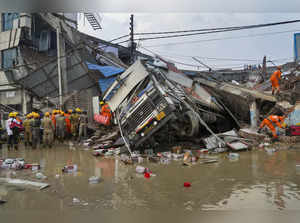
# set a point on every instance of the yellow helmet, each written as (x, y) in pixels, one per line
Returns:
(36, 115)
(77, 110)
(62, 113)
(28, 116)
(70, 111)
(12, 114)
(101, 102)
(47, 114)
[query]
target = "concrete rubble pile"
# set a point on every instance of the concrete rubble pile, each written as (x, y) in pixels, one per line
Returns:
(157, 107)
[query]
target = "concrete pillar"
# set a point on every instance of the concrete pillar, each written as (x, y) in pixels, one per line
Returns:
(24, 101)
(63, 64)
(254, 114)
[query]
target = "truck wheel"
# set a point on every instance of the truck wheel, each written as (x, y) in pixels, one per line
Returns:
(191, 124)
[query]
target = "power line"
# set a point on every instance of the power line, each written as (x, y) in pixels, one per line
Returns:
(219, 31)
(219, 67)
(222, 28)
(224, 38)
(121, 37)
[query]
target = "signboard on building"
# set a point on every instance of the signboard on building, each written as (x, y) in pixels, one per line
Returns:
(297, 46)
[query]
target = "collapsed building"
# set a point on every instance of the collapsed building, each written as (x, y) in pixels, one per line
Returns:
(38, 48)
(155, 102)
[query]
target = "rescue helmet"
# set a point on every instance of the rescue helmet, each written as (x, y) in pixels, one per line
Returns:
(70, 111)
(102, 102)
(36, 115)
(12, 114)
(62, 113)
(28, 116)
(47, 114)
(77, 110)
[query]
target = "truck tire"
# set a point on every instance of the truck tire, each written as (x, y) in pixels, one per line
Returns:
(191, 127)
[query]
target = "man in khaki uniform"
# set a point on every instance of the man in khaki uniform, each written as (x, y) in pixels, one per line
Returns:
(83, 120)
(36, 130)
(74, 118)
(48, 127)
(28, 130)
(60, 126)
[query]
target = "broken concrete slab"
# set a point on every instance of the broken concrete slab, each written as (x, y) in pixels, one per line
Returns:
(236, 146)
(20, 182)
(252, 134)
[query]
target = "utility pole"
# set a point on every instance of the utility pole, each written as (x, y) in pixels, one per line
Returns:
(58, 31)
(132, 43)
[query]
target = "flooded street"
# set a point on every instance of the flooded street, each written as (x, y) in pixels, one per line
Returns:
(256, 181)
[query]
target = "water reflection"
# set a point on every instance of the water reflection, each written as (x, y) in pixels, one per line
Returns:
(256, 181)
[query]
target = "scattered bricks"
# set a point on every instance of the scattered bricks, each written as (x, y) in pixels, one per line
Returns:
(289, 139)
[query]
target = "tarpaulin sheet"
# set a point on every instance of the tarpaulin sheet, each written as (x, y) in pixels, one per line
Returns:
(105, 83)
(107, 71)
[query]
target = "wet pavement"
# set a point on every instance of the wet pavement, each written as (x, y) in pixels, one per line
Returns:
(258, 180)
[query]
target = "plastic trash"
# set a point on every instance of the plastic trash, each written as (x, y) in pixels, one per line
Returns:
(35, 167)
(2, 201)
(233, 156)
(147, 175)
(140, 159)
(167, 155)
(109, 153)
(270, 151)
(177, 156)
(187, 184)
(140, 169)
(40, 176)
(75, 200)
(165, 161)
(70, 168)
(94, 180)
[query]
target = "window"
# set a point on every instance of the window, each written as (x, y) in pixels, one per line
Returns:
(9, 58)
(8, 20)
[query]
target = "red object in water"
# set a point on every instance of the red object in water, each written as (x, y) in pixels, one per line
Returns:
(187, 184)
(27, 166)
(147, 175)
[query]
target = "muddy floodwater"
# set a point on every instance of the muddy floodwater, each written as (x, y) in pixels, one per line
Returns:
(258, 181)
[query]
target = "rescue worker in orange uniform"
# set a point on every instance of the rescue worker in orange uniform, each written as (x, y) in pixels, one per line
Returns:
(105, 111)
(68, 122)
(270, 122)
(275, 78)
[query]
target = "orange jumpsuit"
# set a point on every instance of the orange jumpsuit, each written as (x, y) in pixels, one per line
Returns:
(272, 119)
(53, 120)
(68, 122)
(105, 111)
(276, 76)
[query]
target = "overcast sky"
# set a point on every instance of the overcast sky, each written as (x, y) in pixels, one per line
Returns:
(275, 42)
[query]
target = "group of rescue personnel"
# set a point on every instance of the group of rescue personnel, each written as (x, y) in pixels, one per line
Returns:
(58, 126)
(274, 121)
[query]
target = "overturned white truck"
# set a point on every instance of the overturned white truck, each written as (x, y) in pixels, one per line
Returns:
(154, 103)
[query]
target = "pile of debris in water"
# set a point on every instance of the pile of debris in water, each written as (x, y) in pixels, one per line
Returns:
(157, 106)
(232, 142)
